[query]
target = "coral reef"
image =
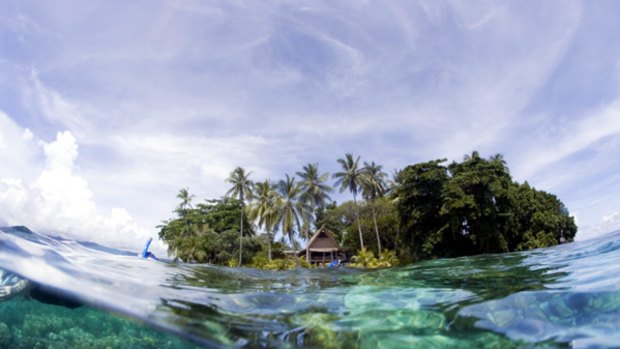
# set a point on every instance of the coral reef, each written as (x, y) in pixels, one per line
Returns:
(5, 335)
(27, 323)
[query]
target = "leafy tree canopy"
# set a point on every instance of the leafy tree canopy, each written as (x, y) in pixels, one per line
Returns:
(474, 207)
(208, 233)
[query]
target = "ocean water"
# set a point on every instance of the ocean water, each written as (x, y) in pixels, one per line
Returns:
(567, 296)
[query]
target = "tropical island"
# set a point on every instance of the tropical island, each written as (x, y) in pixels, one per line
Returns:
(426, 210)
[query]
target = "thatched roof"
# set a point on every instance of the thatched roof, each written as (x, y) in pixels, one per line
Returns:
(323, 241)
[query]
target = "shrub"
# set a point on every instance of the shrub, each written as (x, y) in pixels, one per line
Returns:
(261, 262)
(367, 259)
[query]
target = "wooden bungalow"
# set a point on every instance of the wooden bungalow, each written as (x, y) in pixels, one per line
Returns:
(323, 248)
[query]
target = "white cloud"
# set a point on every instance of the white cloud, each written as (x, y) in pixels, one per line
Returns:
(608, 224)
(18, 151)
(27, 135)
(612, 217)
(61, 202)
(61, 154)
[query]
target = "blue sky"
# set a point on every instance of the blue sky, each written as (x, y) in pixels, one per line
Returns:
(108, 108)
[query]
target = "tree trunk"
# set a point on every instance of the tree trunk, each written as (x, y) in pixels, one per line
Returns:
(308, 238)
(299, 229)
(241, 235)
(268, 243)
(374, 220)
(413, 247)
(307, 247)
(357, 218)
(290, 238)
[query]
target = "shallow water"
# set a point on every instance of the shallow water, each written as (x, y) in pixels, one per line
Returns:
(566, 296)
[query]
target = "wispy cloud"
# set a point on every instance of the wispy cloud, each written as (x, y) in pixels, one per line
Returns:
(172, 94)
(573, 137)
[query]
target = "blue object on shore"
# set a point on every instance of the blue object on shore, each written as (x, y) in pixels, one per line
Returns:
(334, 263)
(145, 252)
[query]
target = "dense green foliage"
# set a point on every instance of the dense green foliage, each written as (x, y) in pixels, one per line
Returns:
(340, 219)
(475, 207)
(428, 210)
(259, 261)
(209, 233)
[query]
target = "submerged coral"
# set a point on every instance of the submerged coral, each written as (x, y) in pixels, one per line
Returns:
(5, 335)
(28, 323)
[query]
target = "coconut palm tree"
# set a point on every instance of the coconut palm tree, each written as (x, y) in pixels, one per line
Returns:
(242, 189)
(475, 156)
(498, 162)
(186, 200)
(290, 209)
(315, 193)
(186, 203)
(264, 210)
(350, 178)
(373, 186)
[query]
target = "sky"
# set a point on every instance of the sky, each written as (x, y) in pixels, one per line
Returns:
(109, 108)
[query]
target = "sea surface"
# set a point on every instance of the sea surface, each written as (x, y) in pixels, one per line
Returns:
(567, 296)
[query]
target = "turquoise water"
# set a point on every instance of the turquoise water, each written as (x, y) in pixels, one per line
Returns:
(566, 296)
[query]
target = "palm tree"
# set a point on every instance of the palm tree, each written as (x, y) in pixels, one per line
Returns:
(290, 209)
(186, 202)
(264, 210)
(498, 162)
(474, 156)
(191, 246)
(314, 193)
(242, 189)
(350, 179)
(373, 186)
